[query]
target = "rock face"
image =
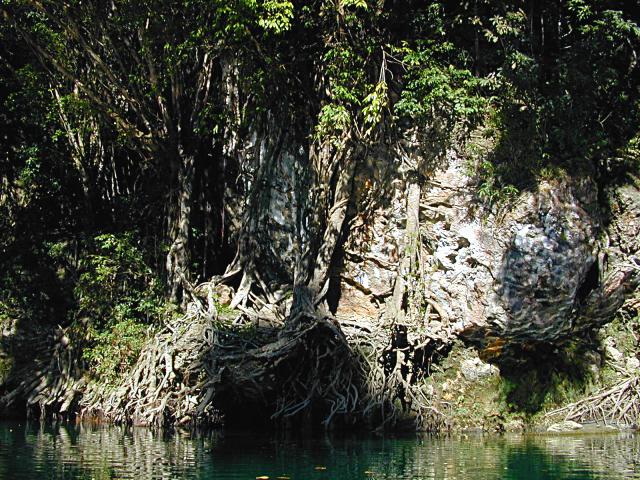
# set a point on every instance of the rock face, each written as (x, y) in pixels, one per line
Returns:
(515, 274)
(546, 263)
(520, 274)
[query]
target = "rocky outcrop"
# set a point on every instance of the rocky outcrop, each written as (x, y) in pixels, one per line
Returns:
(563, 427)
(514, 274)
(544, 265)
(475, 369)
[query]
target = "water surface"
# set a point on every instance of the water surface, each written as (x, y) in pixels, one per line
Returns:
(35, 451)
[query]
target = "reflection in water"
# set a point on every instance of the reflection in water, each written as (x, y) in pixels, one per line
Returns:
(71, 452)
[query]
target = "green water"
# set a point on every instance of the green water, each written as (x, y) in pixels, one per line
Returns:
(33, 451)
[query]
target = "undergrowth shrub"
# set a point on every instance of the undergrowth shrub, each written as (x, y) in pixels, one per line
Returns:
(119, 301)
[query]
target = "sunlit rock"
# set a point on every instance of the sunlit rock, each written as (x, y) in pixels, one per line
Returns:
(566, 426)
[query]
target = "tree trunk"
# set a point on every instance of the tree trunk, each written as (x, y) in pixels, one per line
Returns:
(408, 265)
(178, 258)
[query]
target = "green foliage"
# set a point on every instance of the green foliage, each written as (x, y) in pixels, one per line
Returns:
(566, 103)
(118, 300)
(373, 108)
(115, 350)
(355, 3)
(115, 284)
(277, 16)
(332, 122)
(440, 94)
(548, 376)
(36, 202)
(490, 190)
(436, 91)
(6, 366)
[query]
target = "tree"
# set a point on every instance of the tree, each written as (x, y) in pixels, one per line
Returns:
(150, 77)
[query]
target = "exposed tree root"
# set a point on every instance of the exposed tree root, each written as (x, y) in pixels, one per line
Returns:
(166, 378)
(395, 363)
(51, 385)
(198, 362)
(290, 357)
(199, 368)
(619, 405)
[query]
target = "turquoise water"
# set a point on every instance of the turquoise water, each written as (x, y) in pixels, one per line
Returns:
(32, 451)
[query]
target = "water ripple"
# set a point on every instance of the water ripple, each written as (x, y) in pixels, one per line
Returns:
(29, 451)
